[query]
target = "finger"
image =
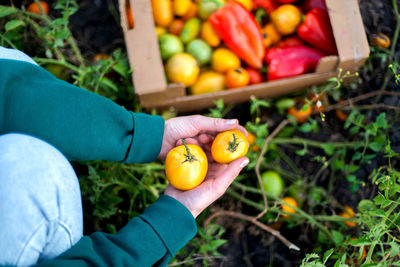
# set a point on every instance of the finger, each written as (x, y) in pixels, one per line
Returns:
(207, 124)
(223, 181)
(188, 141)
(243, 130)
(205, 138)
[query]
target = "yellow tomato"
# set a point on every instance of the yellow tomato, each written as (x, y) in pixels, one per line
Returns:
(286, 18)
(182, 68)
(208, 82)
(248, 4)
(186, 166)
(228, 146)
(348, 213)
(192, 12)
(291, 201)
(224, 59)
(270, 35)
(209, 35)
(160, 31)
(181, 7)
(237, 78)
(162, 12)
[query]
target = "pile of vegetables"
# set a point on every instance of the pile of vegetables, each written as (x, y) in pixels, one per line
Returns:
(211, 45)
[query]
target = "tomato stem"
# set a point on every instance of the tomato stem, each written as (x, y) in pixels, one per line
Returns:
(233, 145)
(189, 156)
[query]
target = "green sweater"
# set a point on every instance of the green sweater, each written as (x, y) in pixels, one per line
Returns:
(86, 126)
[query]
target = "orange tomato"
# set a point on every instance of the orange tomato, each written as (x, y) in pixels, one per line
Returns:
(271, 36)
(186, 166)
(162, 12)
(291, 201)
(209, 35)
(228, 146)
(298, 111)
(252, 138)
(320, 101)
(381, 40)
(176, 26)
(100, 56)
(254, 75)
(35, 8)
(340, 114)
(237, 78)
(192, 12)
(348, 213)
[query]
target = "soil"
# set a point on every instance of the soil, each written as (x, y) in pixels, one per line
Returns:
(96, 28)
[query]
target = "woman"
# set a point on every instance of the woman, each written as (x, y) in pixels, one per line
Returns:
(44, 123)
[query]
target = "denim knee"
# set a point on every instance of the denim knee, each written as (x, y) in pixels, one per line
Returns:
(40, 201)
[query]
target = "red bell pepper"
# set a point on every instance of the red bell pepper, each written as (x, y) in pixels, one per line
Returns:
(291, 61)
(287, 1)
(290, 41)
(237, 27)
(268, 5)
(317, 31)
(310, 4)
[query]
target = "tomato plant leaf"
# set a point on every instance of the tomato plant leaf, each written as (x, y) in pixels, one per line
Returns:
(107, 82)
(337, 237)
(13, 24)
(327, 254)
(328, 148)
(7, 10)
(356, 156)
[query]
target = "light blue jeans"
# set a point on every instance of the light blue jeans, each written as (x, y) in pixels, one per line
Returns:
(40, 198)
(40, 201)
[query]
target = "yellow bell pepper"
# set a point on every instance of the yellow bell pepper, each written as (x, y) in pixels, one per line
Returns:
(162, 12)
(209, 35)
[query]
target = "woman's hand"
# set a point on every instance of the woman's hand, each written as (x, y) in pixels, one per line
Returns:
(219, 178)
(194, 127)
(201, 131)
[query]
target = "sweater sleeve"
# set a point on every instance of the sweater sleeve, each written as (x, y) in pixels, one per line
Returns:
(150, 239)
(81, 124)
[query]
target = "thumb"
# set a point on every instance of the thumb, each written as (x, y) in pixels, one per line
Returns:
(203, 123)
(222, 183)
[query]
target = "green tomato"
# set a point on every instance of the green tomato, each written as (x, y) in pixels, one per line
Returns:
(169, 45)
(207, 7)
(190, 30)
(200, 50)
(273, 183)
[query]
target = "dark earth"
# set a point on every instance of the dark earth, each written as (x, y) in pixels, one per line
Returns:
(96, 29)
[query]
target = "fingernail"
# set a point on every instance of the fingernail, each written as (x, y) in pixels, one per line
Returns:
(230, 122)
(244, 163)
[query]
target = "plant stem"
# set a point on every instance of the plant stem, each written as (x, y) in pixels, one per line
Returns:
(8, 41)
(189, 156)
(260, 157)
(71, 41)
(42, 61)
(302, 141)
(300, 212)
